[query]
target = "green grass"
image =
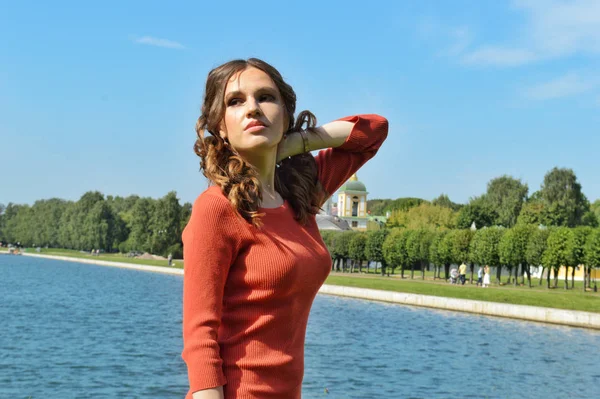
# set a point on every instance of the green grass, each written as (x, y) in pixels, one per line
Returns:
(107, 257)
(554, 298)
(535, 282)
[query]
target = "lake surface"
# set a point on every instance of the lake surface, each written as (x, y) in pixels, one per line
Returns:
(70, 330)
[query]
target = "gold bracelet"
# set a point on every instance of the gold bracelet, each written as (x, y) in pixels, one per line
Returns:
(304, 140)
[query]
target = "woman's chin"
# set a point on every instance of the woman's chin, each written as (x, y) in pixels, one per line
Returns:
(260, 146)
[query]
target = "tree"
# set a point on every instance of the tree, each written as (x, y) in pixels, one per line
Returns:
(165, 223)
(140, 225)
(559, 252)
(423, 216)
(417, 250)
(435, 255)
(186, 213)
(536, 247)
(512, 249)
(478, 210)
(381, 206)
(15, 220)
(445, 252)
(46, 217)
(592, 254)
(373, 249)
(506, 195)
(461, 248)
(341, 243)
(595, 207)
(99, 227)
(590, 219)
(444, 201)
(564, 202)
(484, 250)
(580, 235)
(532, 213)
(394, 249)
(68, 229)
(356, 249)
(425, 239)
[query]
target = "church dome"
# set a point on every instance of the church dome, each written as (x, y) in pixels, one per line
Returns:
(353, 184)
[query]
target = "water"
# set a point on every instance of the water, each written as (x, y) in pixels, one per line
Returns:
(70, 330)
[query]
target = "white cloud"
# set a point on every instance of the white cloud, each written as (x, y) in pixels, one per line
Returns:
(153, 41)
(461, 39)
(499, 56)
(568, 85)
(561, 27)
(554, 29)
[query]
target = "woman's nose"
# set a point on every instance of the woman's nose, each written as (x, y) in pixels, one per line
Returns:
(252, 108)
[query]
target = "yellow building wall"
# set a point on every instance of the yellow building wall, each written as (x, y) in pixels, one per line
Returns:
(346, 205)
(595, 273)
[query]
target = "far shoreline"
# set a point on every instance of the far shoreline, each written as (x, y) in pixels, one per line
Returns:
(572, 318)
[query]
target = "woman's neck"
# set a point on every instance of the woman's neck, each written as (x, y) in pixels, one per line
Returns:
(265, 167)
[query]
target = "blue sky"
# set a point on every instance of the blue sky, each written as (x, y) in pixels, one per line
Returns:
(105, 96)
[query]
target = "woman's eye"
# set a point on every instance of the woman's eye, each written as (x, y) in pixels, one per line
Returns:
(267, 97)
(234, 101)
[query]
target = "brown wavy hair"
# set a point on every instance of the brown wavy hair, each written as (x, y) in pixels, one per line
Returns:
(295, 177)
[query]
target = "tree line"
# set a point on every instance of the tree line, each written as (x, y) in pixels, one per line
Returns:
(134, 223)
(555, 226)
(514, 249)
(559, 202)
(109, 223)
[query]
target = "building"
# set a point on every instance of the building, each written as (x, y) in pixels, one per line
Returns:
(350, 212)
(352, 204)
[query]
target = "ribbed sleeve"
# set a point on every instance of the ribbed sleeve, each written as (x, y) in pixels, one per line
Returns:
(210, 244)
(336, 165)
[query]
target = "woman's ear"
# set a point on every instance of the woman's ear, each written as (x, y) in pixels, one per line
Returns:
(222, 131)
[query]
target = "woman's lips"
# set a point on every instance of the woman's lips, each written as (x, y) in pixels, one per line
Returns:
(255, 128)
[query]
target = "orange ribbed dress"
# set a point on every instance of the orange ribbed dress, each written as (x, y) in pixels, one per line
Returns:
(247, 292)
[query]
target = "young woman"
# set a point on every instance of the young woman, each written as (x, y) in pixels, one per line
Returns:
(254, 258)
(486, 276)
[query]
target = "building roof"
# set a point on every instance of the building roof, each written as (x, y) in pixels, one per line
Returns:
(328, 222)
(353, 184)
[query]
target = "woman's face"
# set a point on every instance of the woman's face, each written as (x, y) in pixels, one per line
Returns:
(255, 116)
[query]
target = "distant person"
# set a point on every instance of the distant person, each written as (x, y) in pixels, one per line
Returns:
(480, 276)
(170, 259)
(486, 276)
(453, 276)
(93, 252)
(462, 271)
(254, 259)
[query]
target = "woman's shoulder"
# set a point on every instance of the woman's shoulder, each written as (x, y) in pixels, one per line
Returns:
(211, 194)
(212, 199)
(213, 211)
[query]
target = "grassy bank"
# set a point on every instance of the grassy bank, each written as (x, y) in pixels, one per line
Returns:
(107, 257)
(558, 298)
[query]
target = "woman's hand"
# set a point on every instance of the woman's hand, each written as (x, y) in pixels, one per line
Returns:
(213, 393)
(330, 135)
